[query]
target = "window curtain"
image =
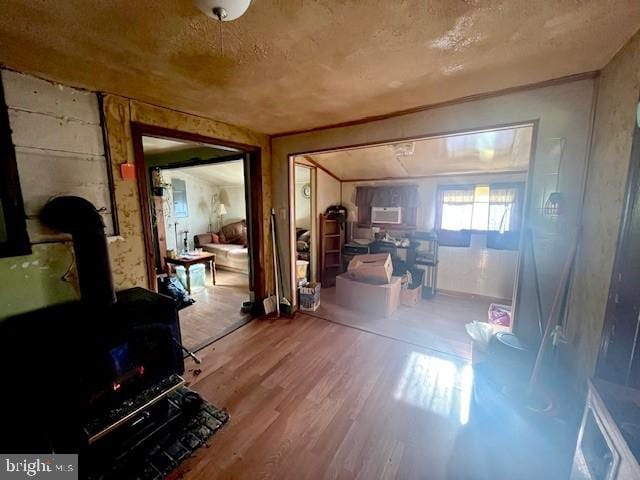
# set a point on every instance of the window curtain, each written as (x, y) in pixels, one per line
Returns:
(456, 202)
(405, 196)
(505, 207)
(506, 203)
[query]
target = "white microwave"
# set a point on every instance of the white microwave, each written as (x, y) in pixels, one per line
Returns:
(392, 215)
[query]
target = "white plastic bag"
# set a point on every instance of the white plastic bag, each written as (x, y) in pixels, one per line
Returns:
(481, 333)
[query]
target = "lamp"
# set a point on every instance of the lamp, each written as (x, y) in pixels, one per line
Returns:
(223, 10)
(222, 210)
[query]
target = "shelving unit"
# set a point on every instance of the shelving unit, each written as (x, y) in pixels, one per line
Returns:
(331, 243)
(426, 259)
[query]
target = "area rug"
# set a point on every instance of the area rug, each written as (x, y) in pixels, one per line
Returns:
(161, 454)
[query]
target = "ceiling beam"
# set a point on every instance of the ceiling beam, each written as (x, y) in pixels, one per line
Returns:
(309, 159)
(436, 175)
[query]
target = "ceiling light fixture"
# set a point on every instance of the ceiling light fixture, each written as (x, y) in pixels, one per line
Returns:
(223, 10)
(404, 149)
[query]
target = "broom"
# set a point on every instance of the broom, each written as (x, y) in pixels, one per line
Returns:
(272, 302)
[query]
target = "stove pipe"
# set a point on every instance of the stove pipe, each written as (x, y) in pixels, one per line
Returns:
(82, 220)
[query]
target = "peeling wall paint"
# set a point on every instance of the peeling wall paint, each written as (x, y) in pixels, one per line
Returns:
(127, 253)
(46, 277)
(35, 281)
(613, 134)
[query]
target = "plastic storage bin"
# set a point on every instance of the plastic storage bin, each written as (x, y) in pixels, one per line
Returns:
(196, 274)
(301, 271)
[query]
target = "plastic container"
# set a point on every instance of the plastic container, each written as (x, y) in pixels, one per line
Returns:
(301, 270)
(481, 334)
(500, 314)
(196, 275)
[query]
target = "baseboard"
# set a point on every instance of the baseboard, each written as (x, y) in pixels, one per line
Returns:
(474, 296)
(230, 269)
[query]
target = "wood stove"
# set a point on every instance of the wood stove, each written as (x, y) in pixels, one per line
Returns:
(76, 373)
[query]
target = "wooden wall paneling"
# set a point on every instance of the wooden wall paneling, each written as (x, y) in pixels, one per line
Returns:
(59, 143)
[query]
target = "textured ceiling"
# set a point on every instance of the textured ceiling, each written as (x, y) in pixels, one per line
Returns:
(297, 64)
(154, 145)
(506, 150)
(221, 174)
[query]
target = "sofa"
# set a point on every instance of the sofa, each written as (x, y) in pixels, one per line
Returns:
(229, 245)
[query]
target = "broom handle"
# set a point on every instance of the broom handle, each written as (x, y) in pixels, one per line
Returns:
(275, 259)
(551, 322)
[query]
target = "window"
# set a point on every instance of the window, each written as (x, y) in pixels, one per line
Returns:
(494, 208)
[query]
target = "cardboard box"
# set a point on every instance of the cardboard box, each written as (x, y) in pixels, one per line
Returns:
(378, 300)
(309, 297)
(376, 268)
(410, 297)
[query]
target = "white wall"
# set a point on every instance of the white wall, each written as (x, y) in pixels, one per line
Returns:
(328, 190)
(475, 269)
(235, 203)
(199, 195)
(303, 207)
(561, 110)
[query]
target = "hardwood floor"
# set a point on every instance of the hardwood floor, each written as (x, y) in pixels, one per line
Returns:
(217, 309)
(311, 399)
(437, 323)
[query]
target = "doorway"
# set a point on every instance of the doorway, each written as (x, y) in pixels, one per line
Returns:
(305, 222)
(449, 210)
(202, 200)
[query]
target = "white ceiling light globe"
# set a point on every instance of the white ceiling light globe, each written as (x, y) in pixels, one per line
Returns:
(225, 10)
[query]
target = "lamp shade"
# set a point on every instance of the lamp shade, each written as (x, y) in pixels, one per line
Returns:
(222, 210)
(229, 9)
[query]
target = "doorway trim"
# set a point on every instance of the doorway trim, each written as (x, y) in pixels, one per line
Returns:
(254, 199)
(528, 200)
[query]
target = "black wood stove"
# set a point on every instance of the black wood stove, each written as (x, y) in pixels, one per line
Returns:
(88, 376)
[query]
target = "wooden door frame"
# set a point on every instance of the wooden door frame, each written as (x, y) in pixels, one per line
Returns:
(257, 283)
(528, 200)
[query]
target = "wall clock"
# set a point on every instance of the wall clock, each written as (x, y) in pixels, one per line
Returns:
(306, 190)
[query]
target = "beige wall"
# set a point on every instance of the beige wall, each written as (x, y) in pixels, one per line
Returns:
(303, 205)
(562, 110)
(615, 119)
(327, 192)
(127, 252)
